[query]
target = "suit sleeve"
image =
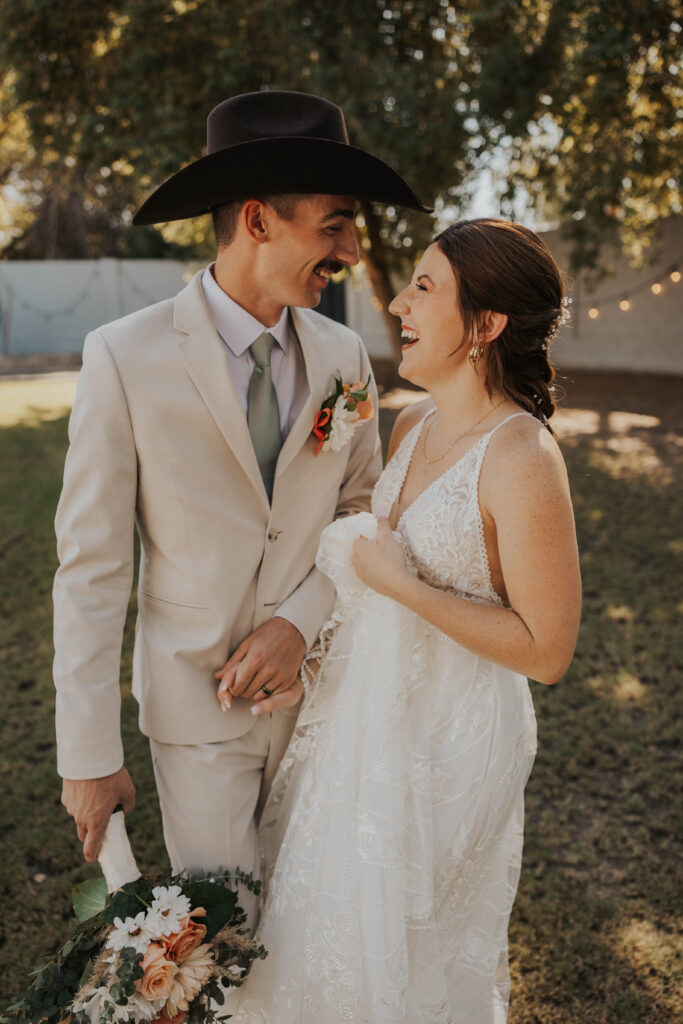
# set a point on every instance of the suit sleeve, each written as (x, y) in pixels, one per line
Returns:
(310, 605)
(95, 528)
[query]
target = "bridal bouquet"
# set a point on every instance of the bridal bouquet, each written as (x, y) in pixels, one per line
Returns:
(158, 950)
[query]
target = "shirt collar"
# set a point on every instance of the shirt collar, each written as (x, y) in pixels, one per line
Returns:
(237, 328)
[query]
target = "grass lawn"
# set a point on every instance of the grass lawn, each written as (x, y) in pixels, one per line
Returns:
(595, 934)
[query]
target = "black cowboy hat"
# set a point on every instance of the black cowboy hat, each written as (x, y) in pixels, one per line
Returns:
(268, 143)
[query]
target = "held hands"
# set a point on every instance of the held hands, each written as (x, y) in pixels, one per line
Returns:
(90, 803)
(265, 668)
(380, 563)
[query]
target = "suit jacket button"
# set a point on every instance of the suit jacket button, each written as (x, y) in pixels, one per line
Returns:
(273, 535)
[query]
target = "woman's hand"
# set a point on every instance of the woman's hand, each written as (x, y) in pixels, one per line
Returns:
(380, 563)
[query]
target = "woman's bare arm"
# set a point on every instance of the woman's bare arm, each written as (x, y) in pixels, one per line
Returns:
(524, 488)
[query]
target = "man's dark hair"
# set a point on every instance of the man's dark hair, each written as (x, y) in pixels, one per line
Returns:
(225, 217)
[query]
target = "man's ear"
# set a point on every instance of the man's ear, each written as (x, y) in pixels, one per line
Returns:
(254, 219)
(492, 326)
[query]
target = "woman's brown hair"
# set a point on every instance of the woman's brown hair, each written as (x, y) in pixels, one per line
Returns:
(505, 268)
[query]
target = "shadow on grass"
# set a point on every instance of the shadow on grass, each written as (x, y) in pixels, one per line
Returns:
(592, 933)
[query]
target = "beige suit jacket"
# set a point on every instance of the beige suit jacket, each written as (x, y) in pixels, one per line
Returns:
(158, 439)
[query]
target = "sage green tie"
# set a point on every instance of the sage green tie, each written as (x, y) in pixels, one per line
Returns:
(263, 412)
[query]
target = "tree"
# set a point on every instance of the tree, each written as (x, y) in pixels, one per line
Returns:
(573, 103)
(115, 96)
(583, 98)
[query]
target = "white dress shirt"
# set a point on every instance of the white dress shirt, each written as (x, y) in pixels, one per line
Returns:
(238, 330)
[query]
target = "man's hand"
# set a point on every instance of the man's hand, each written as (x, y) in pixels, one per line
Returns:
(90, 803)
(270, 657)
(281, 700)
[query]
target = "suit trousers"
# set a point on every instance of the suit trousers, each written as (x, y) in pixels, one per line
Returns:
(211, 796)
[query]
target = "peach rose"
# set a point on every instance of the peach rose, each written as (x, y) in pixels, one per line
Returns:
(157, 980)
(365, 409)
(180, 944)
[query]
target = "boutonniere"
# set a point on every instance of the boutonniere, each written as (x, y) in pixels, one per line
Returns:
(341, 413)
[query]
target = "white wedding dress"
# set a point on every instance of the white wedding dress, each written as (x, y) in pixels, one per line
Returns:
(392, 837)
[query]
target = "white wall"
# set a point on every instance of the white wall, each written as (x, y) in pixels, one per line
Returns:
(50, 305)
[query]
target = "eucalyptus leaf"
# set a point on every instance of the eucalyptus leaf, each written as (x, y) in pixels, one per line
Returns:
(89, 898)
(128, 901)
(87, 972)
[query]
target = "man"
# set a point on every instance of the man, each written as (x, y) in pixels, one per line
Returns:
(193, 421)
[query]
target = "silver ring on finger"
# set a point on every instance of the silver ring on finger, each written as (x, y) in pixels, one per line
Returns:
(268, 693)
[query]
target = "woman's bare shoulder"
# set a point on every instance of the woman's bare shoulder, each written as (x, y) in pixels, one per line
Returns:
(523, 454)
(406, 420)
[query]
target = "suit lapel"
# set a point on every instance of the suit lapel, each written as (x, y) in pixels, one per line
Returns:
(317, 373)
(203, 356)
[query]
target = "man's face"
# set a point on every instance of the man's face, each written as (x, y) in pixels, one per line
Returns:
(303, 253)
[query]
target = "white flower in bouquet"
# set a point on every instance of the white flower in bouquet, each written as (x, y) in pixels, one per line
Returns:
(95, 1003)
(136, 1009)
(134, 931)
(169, 908)
(344, 423)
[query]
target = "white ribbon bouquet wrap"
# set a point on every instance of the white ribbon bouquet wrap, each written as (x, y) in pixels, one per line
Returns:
(116, 856)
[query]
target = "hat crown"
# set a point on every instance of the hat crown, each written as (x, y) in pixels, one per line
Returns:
(273, 114)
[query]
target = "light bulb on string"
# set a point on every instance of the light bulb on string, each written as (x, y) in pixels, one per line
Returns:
(625, 305)
(675, 276)
(656, 288)
(594, 312)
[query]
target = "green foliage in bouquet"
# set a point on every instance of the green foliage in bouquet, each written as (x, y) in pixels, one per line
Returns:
(78, 964)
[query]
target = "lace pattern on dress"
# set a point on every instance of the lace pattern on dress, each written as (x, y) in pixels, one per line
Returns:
(443, 527)
(392, 836)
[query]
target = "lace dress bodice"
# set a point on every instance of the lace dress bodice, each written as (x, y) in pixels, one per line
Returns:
(442, 530)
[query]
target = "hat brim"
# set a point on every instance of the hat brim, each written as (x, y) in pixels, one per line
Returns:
(276, 166)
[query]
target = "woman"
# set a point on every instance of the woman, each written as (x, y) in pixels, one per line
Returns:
(393, 834)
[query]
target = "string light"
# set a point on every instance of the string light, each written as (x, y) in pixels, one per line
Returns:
(655, 285)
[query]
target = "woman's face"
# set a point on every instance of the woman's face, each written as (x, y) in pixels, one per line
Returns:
(431, 322)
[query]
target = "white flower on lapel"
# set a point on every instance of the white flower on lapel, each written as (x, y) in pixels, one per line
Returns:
(344, 424)
(341, 413)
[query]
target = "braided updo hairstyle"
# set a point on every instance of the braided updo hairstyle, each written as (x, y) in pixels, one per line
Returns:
(505, 268)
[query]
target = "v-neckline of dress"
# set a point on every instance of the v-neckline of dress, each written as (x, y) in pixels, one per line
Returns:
(411, 451)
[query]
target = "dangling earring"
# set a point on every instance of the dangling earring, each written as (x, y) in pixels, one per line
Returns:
(476, 351)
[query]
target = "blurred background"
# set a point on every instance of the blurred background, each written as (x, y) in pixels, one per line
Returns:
(563, 114)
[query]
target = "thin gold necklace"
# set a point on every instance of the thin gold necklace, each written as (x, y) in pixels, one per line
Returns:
(430, 462)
